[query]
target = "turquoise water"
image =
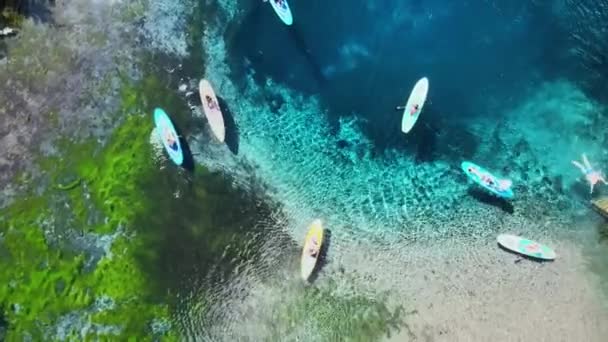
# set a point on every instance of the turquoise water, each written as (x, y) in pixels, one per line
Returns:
(312, 133)
(313, 104)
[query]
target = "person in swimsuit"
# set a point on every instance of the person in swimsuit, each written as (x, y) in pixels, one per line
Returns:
(170, 139)
(313, 247)
(414, 109)
(500, 185)
(278, 2)
(592, 176)
(210, 103)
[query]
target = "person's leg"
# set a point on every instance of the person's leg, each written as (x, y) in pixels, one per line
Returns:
(577, 164)
(586, 161)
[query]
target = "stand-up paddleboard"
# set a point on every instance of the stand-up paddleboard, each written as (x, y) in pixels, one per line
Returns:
(414, 105)
(211, 107)
(281, 8)
(475, 172)
(168, 135)
(525, 247)
(601, 206)
(313, 241)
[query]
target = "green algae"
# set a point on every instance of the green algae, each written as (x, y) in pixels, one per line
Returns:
(160, 239)
(11, 17)
(110, 176)
(32, 270)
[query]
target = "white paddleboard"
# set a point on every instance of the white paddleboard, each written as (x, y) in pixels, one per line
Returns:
(526, 247)
(281, 8)
(414, 104)
(211, 107)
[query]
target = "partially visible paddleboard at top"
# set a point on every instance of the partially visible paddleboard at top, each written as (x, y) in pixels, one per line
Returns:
(312, 249)
(526, 247)
(414, 104)
(212, 110)
(168, 136)
(281, 8)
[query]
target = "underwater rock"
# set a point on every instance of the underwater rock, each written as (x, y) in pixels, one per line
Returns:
(7, 32)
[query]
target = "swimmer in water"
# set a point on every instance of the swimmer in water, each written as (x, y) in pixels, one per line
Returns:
(592, 176)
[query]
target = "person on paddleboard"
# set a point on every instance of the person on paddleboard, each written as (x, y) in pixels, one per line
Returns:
(313, 247)
(592, 176)
(500, 185)
(210, 103)
(278, 2)
(413, 111)
(170, 139)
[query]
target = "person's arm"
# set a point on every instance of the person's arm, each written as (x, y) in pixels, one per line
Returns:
(591, 188)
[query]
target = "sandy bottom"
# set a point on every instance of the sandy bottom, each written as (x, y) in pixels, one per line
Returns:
(454, 293)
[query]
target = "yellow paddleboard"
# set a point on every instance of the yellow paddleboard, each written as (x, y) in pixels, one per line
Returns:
(312, 248)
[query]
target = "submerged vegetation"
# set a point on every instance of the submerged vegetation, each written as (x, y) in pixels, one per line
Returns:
(46, 256)
(337, 317)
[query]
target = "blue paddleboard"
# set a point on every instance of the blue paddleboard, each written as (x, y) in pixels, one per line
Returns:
(467, 167)
(165, 129)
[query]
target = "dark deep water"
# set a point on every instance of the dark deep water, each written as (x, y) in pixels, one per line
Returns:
(363, 57)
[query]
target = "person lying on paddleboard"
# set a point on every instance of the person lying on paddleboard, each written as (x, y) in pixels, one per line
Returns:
(313, 247)
(170, 139)
(591, 176)
(500, 185)
(278, 2)
(210, 103)
(415, 108)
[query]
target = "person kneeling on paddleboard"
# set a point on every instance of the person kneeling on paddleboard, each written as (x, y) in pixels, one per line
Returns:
(592, 176)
